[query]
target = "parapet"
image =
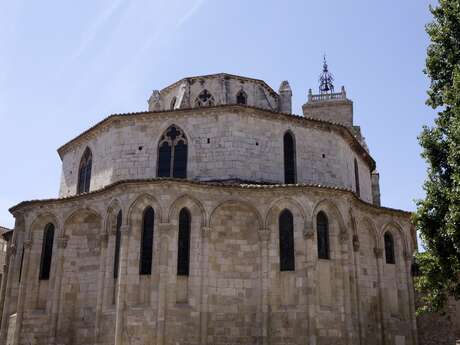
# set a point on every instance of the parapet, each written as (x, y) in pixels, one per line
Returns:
(332, 107)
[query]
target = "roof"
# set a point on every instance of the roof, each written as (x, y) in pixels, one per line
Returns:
(342, 129)
(4, 229)
(223, 75)
(229, 184)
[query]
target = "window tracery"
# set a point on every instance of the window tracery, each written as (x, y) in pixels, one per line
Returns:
(204, 99)
(172, 154)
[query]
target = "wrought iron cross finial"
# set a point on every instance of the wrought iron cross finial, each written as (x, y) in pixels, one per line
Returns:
(326, 79)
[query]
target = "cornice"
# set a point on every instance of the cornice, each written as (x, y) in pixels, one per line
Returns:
(344, 131)
(208, 184)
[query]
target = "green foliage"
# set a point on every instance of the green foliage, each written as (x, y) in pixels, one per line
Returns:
(438, 216)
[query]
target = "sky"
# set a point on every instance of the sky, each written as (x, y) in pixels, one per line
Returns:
(66, 65)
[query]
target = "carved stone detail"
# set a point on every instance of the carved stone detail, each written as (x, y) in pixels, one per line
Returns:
(206, 231)
(378, 252)
(28, 244)
(264, 234)
(308, 232)
(62, 241)
(356, 243)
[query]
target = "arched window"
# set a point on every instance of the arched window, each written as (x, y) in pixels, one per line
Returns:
(47, 252)
(173, 103)
(322, 232)
(204, 99)
(84, 172)
(241, 97)
(389, 248)
(357, 178)
(183, 243)
(289, 158)
(145, 262)
(286, 239)
(172, 154)
(116, 259)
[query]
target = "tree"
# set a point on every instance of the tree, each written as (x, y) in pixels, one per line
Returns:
(438, 216)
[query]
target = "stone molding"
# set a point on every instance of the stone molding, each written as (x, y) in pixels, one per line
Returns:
(62, 241)
(378, 252)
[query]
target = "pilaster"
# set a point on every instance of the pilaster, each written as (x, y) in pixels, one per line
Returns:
(122, 282)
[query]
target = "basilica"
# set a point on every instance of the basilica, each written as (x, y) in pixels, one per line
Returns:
(217, 216)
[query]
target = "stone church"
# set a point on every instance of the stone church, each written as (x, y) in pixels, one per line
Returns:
(215, 217)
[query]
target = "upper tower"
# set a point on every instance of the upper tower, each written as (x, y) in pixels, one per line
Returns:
(329, 105)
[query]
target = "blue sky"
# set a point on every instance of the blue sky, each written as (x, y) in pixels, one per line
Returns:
(66, 65)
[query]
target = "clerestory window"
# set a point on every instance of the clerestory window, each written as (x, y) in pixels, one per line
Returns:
(84, 172)
(172, 154)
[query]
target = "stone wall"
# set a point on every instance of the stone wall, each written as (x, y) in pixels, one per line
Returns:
(235, 292)
(244, 144)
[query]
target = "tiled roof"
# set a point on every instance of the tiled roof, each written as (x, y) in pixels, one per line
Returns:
(219, 184)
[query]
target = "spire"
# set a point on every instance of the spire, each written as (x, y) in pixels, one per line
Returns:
(326, 79)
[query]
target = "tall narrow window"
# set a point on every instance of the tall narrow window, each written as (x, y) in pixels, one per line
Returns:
(47, 252)
(357, 178)
(289, 158)
(322, 232)
(22, 262)
(183, 245)
(145, 264)
(286, 239)
(116, 259)
(204, 99)
(389, 248)
(84, 172)
(172, 154)
(241, 97)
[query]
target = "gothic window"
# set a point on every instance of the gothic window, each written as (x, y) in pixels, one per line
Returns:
(173, 103)
(286, 239)
(183, 247)
(241, 97)
(84, 172)
(389, 248)
(322, 232)
(357, 178)
(289, 158)
(204, 99)
(145, 262)
(47, 252)
(172, 154)
(116, 260)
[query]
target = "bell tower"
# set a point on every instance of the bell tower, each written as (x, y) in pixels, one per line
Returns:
(328, 105)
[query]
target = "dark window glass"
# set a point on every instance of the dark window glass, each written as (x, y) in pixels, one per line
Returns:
(20, 266)
(286, 239)
(289, 159)
(180, 160)
(241, 97)
(116, 260)
(47, 252)
(389, 248)
(172, 154)
(145, 266)
(322, 230)
(84, 172)
(357, 178)
(164, 160)
(183, 250)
